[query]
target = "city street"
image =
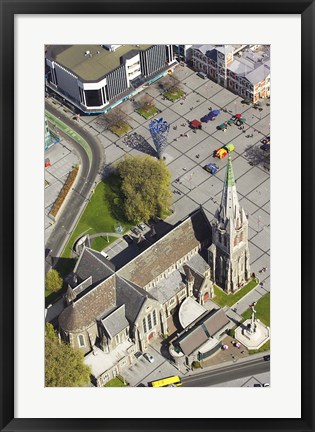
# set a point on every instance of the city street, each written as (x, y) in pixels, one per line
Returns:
(78, 198)
(244, 369)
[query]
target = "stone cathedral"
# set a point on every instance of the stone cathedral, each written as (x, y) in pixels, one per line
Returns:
(229, 254)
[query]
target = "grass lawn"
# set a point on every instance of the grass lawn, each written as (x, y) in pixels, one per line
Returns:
(174, 95)
(103, 212)
(116, 382)
(265, 347)
(263, 310)
(121, 128)
(223, 299)
(100, 243)
(147, 111)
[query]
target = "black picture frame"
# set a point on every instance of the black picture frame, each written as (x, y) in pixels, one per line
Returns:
(8, 9)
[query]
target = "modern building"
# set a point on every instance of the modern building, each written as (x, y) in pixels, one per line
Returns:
(111, 314)
(183, 53)
(95, 78)
(242, 69)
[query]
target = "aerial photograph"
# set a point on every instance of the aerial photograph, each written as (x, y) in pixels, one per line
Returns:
(157, 215)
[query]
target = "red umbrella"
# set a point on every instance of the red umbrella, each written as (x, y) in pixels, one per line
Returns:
(238, 116)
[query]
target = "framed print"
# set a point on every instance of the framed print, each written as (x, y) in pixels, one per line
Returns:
(165, 216)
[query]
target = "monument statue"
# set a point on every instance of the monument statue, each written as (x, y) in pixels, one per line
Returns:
(252, 325)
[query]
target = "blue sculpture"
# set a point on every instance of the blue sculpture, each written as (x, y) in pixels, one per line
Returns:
(159, 129)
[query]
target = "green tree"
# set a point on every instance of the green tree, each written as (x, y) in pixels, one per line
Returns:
(64, 365)
(53, 281)
(145, 187)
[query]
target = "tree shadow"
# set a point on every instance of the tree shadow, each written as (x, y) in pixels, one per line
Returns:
(64, 266)
(257, 157)
(113, 197)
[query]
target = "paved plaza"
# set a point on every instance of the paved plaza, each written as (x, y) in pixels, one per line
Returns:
(186, 156)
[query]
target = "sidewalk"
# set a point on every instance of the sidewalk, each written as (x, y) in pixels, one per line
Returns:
(227, 363)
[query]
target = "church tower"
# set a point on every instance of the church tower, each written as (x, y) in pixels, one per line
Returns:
(229, 254)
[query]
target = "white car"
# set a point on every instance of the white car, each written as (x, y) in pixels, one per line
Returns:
(266, 385)
(148, 357)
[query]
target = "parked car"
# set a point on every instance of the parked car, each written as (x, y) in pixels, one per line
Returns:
(148, 357)
(135, 231)
(128, 238)
(266, 385)
(138, 354)
(267, 357)
(211, 168)
(202, 75)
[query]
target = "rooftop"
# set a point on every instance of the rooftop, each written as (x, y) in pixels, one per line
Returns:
(168, 287)
(189, 311)
(198, 263)
(90, 62)
(168, 250)
(115, 322)
(206, 328)
(93, 263)
(84, 311)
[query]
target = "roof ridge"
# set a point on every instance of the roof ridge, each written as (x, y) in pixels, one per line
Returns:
(93, 252)
(163, 237)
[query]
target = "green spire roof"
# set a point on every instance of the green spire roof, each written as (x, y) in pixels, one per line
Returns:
(229, 178)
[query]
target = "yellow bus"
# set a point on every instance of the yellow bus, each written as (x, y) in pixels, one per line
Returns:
(172, 381)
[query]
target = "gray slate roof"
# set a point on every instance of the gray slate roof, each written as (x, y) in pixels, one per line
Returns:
(259, 73)
(193, 340)
(93, 263)
(198, 264)
(131, 296)
(169, 249)
(208, 326)
(216, 322)
(166, 288)
(115, 322)
(84, 311)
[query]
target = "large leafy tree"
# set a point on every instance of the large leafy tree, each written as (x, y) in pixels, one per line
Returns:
(53, 281)
(64, 365)
(145, 187)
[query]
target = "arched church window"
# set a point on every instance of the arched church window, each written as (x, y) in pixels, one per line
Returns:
(81, 341)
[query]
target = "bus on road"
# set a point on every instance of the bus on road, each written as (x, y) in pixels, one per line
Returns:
(172, 381)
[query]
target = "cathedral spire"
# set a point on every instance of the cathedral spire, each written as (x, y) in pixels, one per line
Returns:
(230, 208)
